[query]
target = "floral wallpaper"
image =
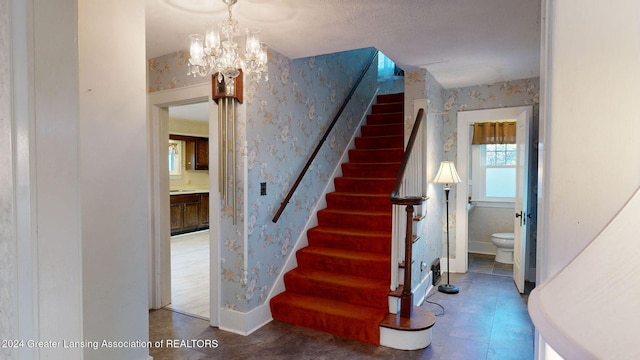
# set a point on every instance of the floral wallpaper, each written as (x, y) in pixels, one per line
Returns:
(419, 85)
(278, 126)
(170, 72)
(505, 94)
(286, 117)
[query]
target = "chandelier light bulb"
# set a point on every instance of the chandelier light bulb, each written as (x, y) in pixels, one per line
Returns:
(216, 51)
(196, 50)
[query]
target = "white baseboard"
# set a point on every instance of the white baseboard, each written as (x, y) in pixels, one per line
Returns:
(245, 323)
(421, 291)
(481, 247)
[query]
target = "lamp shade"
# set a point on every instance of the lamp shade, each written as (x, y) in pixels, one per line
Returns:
(447, 174)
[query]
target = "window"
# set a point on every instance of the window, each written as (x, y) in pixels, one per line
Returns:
(494, 172)
(175, 157)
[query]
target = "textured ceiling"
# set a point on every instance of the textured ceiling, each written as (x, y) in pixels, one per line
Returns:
(461, 42)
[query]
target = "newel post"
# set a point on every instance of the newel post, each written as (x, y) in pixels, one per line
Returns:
(406, 299)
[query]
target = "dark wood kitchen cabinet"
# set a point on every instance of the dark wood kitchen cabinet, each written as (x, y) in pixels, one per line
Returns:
(196, 151)
(197, 154)
(204, 211)
(188, 211)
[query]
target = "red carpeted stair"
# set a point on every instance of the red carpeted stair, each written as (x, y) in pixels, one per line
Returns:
(341, 284)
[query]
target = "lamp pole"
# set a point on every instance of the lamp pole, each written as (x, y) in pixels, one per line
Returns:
(448, 288)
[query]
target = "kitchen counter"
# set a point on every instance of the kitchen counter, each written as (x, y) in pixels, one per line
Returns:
(185, 192)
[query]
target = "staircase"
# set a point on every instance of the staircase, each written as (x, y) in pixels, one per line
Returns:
(341, 284)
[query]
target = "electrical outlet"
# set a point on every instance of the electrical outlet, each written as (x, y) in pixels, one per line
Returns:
(263, 188)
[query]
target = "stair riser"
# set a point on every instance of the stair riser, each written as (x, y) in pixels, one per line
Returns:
(390, 98)
(350, 202)
(376, 244)
(382, 130)
(356, 267)
(375, 156)
(364, 186)
(364, 222)
(350, 294)
(379, 142)
(385, 119)
(370, 170)
(359, 329)
(387, 108)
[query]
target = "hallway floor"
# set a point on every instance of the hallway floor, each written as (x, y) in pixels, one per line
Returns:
(488, 319)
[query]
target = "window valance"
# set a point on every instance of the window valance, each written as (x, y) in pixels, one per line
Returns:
(497, 132)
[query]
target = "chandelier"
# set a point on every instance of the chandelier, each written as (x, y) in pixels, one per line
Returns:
(216, 51)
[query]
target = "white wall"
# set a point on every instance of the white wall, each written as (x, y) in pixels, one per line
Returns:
(46, 216)
(592, 130)
(77, 96)
(115, 193)
(8, 245)
(589, 132)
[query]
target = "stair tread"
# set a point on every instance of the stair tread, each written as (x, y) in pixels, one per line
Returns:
(382, 136)
(330, 306)
(367, 178)
(353, 232)
(420, 320)
(356, 212)
(344, 253)
(381, 149)
(344, 280)
(343, 193)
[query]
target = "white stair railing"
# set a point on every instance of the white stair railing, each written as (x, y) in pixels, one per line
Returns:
(407, 200)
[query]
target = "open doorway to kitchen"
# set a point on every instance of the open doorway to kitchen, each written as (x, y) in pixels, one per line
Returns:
(188, 172)
(184, 249)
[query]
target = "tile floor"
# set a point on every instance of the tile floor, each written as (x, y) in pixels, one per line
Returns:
(488, 319)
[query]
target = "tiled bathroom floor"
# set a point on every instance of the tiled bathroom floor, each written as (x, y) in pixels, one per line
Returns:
(482, 263)
(488, 319)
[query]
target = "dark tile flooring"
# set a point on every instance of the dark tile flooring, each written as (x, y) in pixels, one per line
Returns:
(488, 319)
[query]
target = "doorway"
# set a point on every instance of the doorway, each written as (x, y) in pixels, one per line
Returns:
(524, 247)
(189, 211)
(160, 247)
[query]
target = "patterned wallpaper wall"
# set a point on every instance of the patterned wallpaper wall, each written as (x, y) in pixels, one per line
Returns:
(435, 119)
(286, 117)
(170, 72)
(279, 125)
(504, 94)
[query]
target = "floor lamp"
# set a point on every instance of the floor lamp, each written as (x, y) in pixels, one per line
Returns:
(447, 175)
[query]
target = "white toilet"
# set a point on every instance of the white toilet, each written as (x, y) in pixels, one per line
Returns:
(504, 243)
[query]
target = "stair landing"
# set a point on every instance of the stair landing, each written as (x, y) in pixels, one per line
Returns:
(407, 334)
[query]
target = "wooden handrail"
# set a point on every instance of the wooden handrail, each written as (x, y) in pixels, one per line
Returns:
(324, 137)
(395, 193)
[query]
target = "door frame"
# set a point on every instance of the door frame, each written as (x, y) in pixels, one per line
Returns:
(464, 119)
(159, 247)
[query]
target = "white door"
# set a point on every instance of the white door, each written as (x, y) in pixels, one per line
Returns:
(521, 217)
